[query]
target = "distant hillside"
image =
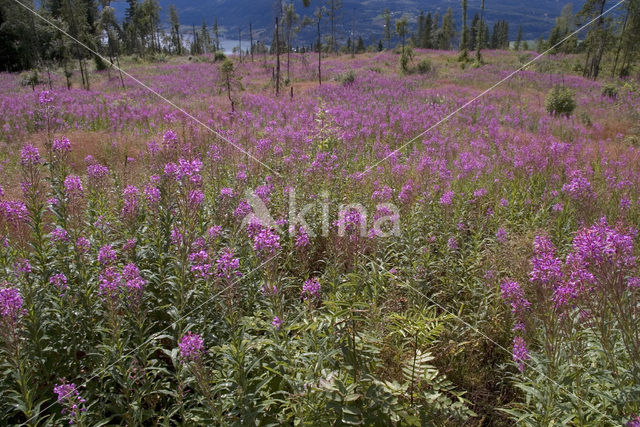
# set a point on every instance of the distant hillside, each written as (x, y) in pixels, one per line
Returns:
(536, 17)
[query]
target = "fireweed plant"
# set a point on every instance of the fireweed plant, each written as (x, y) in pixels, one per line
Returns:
(153, 274)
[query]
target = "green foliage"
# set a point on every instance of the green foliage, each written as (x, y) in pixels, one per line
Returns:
(347, 78)
(219, 56)
(610, 90)
(560, 100)
(30, 78)
(424, 66)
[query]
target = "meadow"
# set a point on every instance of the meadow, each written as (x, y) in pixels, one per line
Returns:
(324, 257)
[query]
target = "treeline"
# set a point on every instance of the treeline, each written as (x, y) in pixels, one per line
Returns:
(615, 35)
(432, 35)
(28, 42)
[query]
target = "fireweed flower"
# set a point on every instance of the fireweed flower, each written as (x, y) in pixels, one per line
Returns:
(243, 209)
(22, 266)
(188, 171)
(226, 192)
(579, 187)
(266, 242)
(10, 304)
(264, 192)
(176, 237)
(110, 282)
(61, 145)
(130, 244)
(501, 235)
(310, 289)
(59, 281)
(70, 400)
(350, 222)
(196, 197)
(447, 198)
(191, 347)
(214, 231)
(96, 172)
(201, 267)
(73, 186)
(133, 283)
(130, 198)
(152, 193)
(227, 266)
(520, 352)
(45, 97)
(513, 295)
(106, 255)
(277, 323)
(59, 235)
(302, 238)
(82, 244)
(29, 155)
(170, 138)
(452, 243)
(602, 247)
(634, 421)
(546, 268)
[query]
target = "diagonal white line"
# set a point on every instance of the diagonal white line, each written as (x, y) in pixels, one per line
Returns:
(157, 334)
(483, 93)
(150, 89)
(529, 364)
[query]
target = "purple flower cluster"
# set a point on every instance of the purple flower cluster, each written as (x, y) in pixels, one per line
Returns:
(130, 202)
(266, 241)
(191, 347)
(106, 255)
(29, 155)
(83, 244)
(579, 187)
(201, 267)
(73, 186)
(59, 235)
(10, 304)
(227, 266)
(152, 193)
(96, 172)
(45, 97)
(70, 400)
(447, 198)
(59, 281)
(311, 289)
(302, 238)
(513, 295)
(277, 323)
(61, 145)
(520, 352)
(127, 283)
(351, 221)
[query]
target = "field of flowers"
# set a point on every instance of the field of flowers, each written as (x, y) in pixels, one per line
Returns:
(306, 259)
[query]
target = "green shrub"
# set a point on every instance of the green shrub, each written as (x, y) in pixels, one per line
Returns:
(610, 90)
(30, 78)
(347, 78)
(424, 66)
(560, 100)
(219, 56)
(101, 65)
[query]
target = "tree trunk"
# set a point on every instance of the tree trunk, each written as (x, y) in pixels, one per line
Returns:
(319, 55)
(277, 59)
